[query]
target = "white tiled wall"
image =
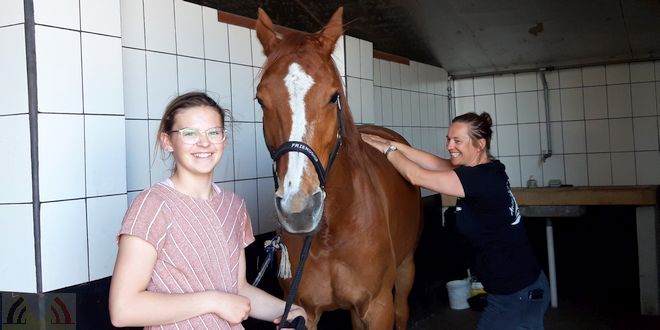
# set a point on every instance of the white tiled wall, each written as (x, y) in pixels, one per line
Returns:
(604, 123)
(17, 252)
(80, 138)
(411, 100)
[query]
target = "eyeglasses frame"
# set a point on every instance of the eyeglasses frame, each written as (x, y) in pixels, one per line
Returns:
(199, 134)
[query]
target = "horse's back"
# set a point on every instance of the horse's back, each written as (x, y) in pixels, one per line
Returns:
(381, 131)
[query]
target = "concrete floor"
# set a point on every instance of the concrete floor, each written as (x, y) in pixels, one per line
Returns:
(570, 315)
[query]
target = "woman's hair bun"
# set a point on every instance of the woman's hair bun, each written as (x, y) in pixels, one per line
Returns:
(486, 119)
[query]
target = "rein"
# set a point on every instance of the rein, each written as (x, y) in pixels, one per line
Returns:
(299, 146)
(299, 322)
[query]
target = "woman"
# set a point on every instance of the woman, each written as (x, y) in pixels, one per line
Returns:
(486, 213)
(181, 258)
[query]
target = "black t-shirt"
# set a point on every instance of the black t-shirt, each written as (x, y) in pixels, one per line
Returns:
(489, 217)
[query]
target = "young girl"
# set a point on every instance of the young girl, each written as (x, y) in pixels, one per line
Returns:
(181, 259)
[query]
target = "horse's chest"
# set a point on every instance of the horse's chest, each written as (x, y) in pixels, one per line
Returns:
(345, 279)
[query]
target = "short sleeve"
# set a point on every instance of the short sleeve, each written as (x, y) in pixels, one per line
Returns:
(248, 235)
(468, 176)
(147, 218)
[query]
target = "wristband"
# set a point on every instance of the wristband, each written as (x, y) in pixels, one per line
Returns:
(389, 149)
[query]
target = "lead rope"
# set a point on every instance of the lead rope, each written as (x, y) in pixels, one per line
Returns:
(299, 322)
(271, 246)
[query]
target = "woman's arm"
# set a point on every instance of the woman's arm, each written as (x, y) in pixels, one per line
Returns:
(443, 181)
(131, 305)
(264, 305)
(420, 168)
(423, 159)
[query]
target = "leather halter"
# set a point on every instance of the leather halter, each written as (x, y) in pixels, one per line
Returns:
(305, 149)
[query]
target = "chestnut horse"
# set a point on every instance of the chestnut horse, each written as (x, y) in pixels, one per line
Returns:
(366, 219)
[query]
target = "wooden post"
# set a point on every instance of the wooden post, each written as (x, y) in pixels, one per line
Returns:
(647, 252)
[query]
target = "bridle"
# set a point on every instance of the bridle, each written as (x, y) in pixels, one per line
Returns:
(305, 149)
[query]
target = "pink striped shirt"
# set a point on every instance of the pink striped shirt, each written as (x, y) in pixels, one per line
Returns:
(198, 243)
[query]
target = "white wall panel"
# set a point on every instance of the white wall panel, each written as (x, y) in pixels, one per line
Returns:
(102, 77)
(13, 80)
(63, 244)
(16, 178)
(59, 86)
(17, 249)
(101, 16)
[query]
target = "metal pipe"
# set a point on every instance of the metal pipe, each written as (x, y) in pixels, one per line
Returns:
(551, 262)
(449, 100)
(546, 96)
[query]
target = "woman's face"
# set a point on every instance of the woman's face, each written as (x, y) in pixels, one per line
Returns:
(462, 150)
(199, 158)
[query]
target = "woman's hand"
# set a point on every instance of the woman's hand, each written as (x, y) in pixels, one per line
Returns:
(376, 141)
(294, 312)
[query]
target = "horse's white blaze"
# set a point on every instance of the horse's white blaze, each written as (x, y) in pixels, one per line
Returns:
(297, 83)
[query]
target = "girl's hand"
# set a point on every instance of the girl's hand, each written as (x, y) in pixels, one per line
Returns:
(294, 312)
(376, 141)
(233, 308)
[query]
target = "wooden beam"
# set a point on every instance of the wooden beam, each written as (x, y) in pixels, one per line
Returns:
(390, 57)
(247, 22)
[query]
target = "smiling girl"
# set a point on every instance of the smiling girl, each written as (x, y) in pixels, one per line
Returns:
(181, 258)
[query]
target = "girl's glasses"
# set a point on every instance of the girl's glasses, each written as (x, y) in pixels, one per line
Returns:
(193, 135)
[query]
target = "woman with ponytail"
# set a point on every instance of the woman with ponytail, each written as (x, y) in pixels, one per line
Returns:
(486, 213)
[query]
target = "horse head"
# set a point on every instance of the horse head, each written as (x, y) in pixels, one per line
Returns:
(301, 94)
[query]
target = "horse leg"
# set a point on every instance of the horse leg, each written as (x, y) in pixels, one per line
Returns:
(377, 314)
(405, 276)
(313, 317)
(356, 320)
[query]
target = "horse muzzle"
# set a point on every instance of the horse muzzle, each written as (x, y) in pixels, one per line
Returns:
(300, 215)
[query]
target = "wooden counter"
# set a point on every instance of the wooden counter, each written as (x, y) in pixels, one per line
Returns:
(605, 195)
(645, 200)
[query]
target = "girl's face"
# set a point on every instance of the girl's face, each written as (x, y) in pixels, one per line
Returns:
(198, 158)
(462, 149)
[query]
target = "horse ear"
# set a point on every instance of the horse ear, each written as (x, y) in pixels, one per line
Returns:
(266, 33)
(332, 31)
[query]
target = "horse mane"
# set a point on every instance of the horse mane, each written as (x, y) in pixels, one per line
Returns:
(301, 46)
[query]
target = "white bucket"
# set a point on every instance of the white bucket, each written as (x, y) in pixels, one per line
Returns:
(459, 292)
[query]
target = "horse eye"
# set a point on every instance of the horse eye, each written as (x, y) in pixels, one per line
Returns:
(334, 98)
